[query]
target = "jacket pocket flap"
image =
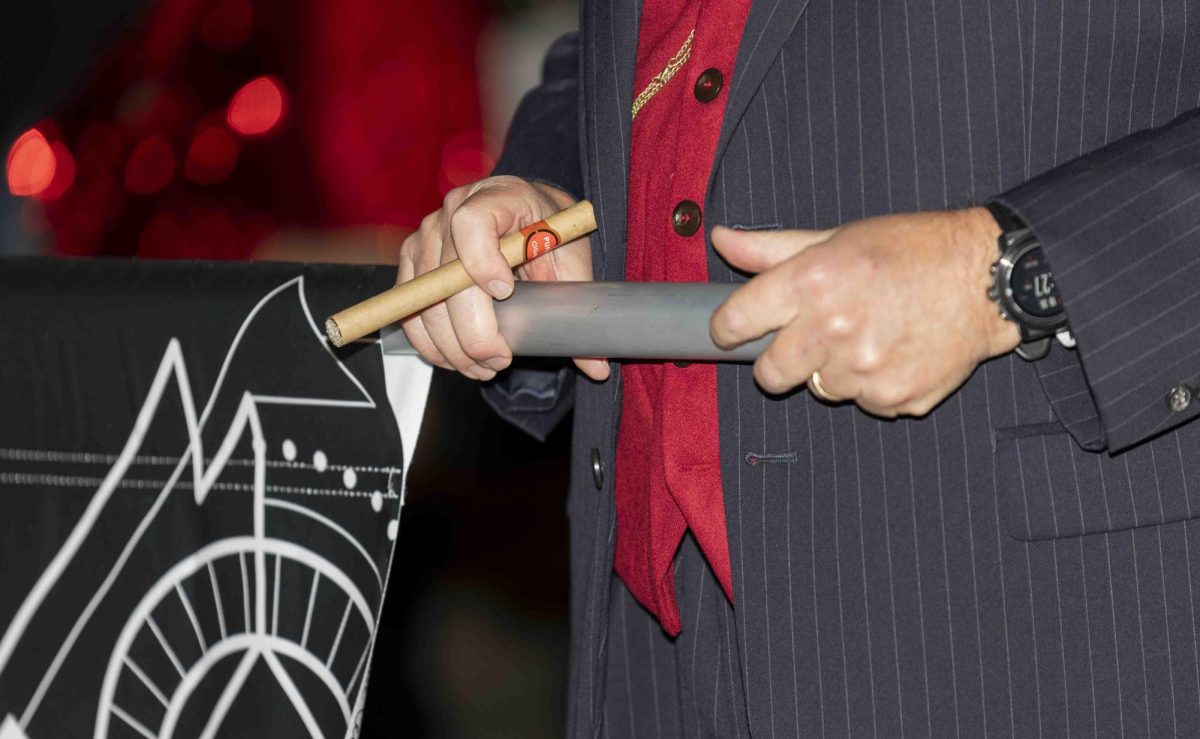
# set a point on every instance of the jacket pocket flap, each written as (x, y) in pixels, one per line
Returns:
(1051, 488)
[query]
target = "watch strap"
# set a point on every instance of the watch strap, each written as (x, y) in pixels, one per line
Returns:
(1005, 217)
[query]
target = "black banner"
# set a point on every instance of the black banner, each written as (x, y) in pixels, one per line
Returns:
(199, 500)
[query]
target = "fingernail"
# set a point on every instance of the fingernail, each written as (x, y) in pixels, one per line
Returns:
(596, 364)
(499, 289)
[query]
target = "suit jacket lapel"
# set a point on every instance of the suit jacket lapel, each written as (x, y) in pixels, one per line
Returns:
(768, 26)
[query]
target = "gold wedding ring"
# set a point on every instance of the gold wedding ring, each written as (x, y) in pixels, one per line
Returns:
(814, 384)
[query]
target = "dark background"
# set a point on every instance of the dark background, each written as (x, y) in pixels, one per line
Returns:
(474, 634)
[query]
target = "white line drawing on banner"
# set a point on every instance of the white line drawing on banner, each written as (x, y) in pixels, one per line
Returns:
(205, 472)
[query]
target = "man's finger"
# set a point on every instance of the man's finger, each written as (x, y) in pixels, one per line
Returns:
(413, 327)
(436, 320)
(418, 338)
(760, 306)
(475, 230)
(836, 378)
(789, 360)
(474, 320)
(597, 369)
(758, 251)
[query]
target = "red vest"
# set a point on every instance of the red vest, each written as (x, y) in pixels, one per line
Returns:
(668, 473)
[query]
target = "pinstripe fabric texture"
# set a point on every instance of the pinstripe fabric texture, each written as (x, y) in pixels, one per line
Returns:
(1019, 562)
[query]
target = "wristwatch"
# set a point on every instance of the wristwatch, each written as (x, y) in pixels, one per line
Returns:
(1023, 287)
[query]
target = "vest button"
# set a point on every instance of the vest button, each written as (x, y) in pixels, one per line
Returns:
(708, 84)
(597, 469)
(685, 219)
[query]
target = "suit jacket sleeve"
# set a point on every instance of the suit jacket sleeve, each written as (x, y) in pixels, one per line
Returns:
(1121, 231)
(543, 146)
(543, 141)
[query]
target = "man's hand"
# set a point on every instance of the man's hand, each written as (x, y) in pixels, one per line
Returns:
(461, 333)
(891, 311)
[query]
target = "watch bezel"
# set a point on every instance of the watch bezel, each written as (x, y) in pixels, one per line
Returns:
(1015, 246)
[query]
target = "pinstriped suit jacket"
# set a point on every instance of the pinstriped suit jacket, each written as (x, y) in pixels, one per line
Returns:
(1019, 562)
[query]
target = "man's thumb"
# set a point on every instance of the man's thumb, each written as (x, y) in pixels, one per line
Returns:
(758, 251)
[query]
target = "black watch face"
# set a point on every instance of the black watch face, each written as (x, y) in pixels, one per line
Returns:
(1032, 285)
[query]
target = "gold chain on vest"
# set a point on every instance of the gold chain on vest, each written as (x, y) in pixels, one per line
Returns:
(663, 77)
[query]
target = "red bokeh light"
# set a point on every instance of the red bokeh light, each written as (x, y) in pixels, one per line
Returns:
(336, 145)
(257, 107)
(31, 164)
(211, 157)
(64, 172)
(150, 167)
(468, 156)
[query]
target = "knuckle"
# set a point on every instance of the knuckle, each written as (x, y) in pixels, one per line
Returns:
(462, 215)
(408, 247)
(817, 288)
(839, 325)
(866, 358)
(468, 209)
(469, 217)
(817, 276)
(455, 196)
(499, 184)
(886, 396)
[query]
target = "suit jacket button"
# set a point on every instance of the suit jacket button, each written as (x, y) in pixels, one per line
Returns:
(708, 84)
(1179, 399)
(685, 219)
(597, 469)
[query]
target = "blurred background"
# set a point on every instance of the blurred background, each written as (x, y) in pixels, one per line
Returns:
(321, 130)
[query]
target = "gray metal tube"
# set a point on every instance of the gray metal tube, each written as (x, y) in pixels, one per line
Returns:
(622, 320)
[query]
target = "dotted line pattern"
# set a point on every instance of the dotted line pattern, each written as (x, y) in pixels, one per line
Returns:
(22, 478)
(43, 455)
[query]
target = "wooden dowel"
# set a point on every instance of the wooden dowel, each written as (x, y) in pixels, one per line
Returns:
(451, 278)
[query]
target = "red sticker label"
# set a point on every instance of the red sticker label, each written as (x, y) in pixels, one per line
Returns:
(539, 239)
